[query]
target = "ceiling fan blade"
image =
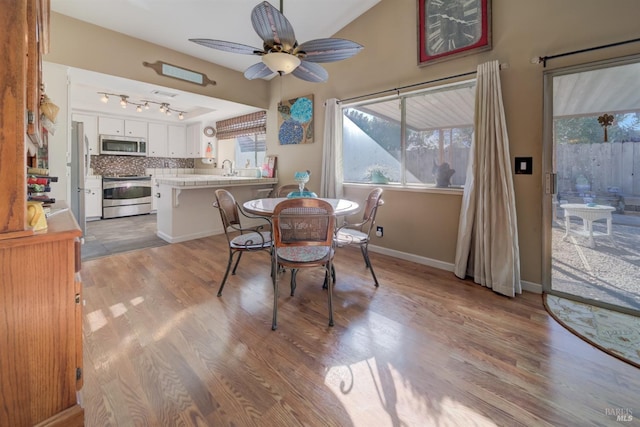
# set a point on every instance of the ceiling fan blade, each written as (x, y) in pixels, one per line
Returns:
(228, 46)
(273, 27)
(257, 71)
(328, 50)
(311, 72)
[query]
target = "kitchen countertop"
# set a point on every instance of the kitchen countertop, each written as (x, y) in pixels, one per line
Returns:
(210, 180)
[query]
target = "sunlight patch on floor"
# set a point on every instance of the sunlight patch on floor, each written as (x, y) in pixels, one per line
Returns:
(397, 403)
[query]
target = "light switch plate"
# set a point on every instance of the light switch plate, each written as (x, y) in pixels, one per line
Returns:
(523, 165)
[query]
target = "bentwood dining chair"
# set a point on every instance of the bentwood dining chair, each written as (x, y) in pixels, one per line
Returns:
(303, 237)
(359, 233)
(249, 239)
(284, 190)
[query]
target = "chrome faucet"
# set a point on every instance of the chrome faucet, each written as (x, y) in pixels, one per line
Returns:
(230, 166)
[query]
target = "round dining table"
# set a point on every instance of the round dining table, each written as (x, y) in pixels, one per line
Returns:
(265, 207)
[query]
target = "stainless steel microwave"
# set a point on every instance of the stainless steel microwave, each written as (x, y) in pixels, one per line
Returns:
(123, 145)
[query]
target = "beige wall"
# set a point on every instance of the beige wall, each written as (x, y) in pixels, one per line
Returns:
(420, 223)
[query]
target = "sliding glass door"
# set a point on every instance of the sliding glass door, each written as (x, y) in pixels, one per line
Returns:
(592, 184)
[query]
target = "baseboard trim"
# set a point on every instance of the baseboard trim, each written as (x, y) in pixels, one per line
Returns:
(184, 238)
(447, 266)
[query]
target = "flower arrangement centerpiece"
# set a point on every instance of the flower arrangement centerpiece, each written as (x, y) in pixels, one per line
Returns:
(302, 178)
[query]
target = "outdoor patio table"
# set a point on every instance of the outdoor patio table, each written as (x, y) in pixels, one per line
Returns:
(588, 214)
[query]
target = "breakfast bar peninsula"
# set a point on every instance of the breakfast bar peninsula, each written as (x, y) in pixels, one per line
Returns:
(185, 208)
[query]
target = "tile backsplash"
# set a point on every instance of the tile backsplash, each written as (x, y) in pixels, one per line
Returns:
(131, 165)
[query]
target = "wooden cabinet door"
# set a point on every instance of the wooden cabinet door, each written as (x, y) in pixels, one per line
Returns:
(40, 315)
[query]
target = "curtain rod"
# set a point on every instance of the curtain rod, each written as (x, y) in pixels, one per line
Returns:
(544, 59)
(398, 89)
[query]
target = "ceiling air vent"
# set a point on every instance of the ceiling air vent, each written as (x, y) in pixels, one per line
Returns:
(164, 94)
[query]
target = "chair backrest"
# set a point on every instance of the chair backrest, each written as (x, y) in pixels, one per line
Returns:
(284, 190)
(303, 222)
(371, 205)
(226, 203)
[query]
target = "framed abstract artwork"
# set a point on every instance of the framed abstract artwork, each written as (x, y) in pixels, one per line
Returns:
(452, 28)
(295, 120)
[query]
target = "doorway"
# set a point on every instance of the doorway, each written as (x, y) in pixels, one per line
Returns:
(592, 184)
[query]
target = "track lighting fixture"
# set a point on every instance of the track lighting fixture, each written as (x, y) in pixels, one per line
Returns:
(143, 104)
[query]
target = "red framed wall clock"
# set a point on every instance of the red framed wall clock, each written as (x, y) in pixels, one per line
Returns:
(452, 28)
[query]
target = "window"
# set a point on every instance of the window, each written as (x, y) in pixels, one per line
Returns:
(250, 150)
(243, 139)
(418, 139)
(246, 151)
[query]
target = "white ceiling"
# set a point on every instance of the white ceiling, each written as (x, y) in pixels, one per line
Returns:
(171, 23)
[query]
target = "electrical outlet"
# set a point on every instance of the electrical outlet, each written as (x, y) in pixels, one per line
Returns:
(379, 231)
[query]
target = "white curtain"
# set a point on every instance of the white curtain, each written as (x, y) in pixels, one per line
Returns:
(487, 247)
(331, 181)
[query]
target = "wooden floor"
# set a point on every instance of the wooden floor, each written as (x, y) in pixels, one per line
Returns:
(424, 349)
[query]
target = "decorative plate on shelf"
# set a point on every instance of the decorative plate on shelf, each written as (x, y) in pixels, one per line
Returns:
(209, 131)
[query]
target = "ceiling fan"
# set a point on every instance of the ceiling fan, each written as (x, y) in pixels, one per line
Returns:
(281, 53)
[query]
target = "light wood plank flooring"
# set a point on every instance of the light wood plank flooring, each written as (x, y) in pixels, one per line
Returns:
(424, 349)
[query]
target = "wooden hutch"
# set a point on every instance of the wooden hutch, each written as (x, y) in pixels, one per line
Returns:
(40, 288)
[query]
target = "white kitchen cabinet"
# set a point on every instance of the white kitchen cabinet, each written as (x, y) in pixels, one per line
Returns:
(90, 125)
(158, 137)
(197, 141)
(110, 126)
(122, 127)
(93, 197)
(155, 194)
(177, 135)
(135, 128)
(194, 140)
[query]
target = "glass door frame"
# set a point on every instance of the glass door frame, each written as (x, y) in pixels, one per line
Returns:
(549, 177)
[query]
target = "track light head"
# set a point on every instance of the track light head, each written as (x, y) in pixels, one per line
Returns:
(144, 104)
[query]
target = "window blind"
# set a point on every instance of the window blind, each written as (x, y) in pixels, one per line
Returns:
(249, 124)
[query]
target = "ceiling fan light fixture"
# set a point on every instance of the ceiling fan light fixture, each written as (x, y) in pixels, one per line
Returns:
(280, 62)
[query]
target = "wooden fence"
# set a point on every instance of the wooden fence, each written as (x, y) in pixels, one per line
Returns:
(608, 168)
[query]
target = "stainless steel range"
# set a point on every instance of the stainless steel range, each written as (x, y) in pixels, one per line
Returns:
(126, 196)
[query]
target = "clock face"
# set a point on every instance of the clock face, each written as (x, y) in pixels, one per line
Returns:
(452, 26)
